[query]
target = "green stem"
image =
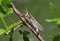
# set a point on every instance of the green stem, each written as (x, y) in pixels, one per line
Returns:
(4, 22)
(54, 10)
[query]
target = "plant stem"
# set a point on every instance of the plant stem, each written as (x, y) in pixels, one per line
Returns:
(4, 22)
(19, 14)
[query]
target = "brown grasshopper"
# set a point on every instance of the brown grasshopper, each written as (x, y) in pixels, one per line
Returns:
(36, 26)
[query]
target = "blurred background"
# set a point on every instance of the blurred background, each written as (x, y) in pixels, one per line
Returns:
(40, 10)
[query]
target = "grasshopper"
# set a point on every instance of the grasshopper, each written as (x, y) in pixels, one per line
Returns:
(36, 26)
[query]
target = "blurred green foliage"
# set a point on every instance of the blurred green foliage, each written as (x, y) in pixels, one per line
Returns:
(40, 10)
(56, 38)
(56, 19)
(25, 34)
(6, 9)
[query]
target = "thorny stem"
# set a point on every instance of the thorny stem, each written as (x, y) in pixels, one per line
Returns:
(19, 14)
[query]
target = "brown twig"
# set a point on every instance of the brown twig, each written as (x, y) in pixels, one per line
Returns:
(19, 14)
(18, 26)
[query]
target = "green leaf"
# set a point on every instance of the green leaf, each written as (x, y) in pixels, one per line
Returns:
(8, 1)
(2, 10)
(13, 25)
(2, 31)
(25, 38)
(51, 20)
(6, 7)
(26, 32)
(53, 8)
(1, 15)
(56, 38)
(9, 11)
(58, 21)
(20, 31)
(0, 1)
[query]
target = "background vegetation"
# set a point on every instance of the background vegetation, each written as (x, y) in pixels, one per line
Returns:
(41, 10)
